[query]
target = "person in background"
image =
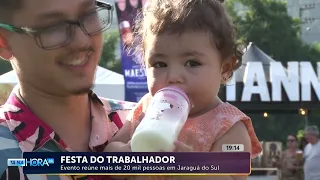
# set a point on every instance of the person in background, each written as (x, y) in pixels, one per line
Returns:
(291, 160)
(121, 5)
(312, 154)
(135, 3)
(303, 143)
(183, 43)
(123, 10)
(135, 8)
(274, 154)
(55, 52)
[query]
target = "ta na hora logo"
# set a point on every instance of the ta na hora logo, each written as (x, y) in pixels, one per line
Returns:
(36, 162)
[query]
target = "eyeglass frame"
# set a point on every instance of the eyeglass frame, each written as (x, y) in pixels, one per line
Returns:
(33, 32)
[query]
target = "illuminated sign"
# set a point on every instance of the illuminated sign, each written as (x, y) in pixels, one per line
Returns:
(299, 81)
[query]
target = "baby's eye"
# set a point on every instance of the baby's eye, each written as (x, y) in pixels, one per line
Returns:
(192, 63)
(159, 65)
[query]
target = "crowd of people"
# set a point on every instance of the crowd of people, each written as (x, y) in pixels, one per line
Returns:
(301, 160)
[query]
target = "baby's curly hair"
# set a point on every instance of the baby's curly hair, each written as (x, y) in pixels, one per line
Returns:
(179, 16)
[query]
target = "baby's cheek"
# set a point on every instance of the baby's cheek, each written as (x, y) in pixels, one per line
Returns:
(154, 86)
(156, 79)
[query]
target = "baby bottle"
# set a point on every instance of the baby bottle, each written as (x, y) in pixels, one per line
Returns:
(163, 121)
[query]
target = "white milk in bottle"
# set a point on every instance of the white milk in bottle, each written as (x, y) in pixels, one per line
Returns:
(163, 121)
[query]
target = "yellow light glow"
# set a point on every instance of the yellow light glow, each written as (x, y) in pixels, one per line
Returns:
(302, 112)
(265, 114)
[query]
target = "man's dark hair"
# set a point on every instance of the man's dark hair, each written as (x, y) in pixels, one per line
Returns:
(7, 9)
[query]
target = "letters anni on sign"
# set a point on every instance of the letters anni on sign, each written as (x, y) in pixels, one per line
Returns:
(299, 81)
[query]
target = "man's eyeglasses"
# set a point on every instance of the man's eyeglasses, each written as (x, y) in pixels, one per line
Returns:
(62, 34)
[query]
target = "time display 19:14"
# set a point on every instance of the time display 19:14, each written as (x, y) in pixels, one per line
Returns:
(232, 148)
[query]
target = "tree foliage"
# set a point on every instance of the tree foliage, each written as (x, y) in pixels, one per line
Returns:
(108, 58)
(5, 66)
(268, 25)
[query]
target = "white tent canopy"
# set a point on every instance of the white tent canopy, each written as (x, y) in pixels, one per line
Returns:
(108, 84)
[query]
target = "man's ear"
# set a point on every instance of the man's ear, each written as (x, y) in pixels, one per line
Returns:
(5, 52)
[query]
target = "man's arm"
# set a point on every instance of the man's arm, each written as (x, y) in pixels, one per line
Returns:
(13, 173)
(9, 148)
(121, 141)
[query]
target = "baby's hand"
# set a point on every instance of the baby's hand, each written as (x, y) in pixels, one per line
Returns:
(187, 145)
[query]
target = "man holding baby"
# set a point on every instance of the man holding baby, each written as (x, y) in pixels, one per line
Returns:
(55, 51)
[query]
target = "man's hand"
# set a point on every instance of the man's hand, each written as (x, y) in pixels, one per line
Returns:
(118, 147)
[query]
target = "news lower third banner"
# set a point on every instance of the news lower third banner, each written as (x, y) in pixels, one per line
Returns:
(67, 163)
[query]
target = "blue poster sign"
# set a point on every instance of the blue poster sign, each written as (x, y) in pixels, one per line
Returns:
(134, 74)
